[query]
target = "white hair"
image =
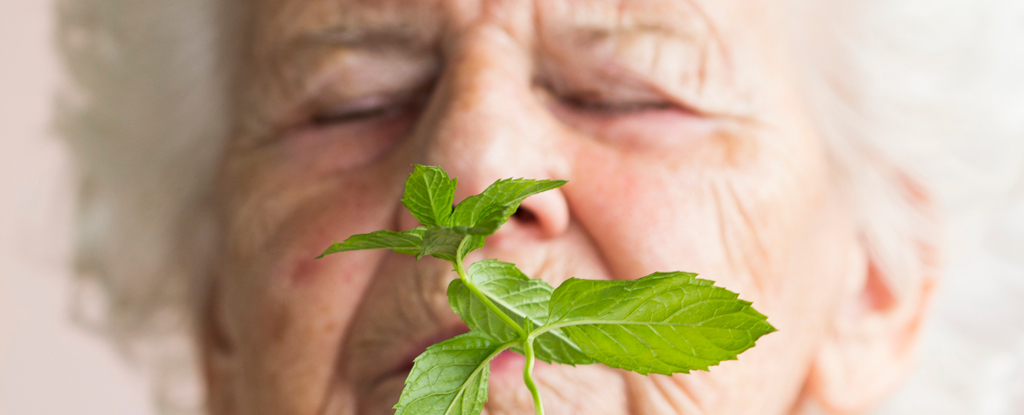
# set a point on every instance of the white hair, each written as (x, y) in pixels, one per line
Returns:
(924, 91)
(146, 116)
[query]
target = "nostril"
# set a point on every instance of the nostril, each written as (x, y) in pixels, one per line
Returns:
(524, 216)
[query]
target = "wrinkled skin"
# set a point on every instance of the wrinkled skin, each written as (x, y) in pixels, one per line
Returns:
(677, 124)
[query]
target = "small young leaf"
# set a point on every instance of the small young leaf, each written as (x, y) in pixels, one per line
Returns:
(523, 299)
(663, 323)
(407, 242)
(487, 211)
(450, 377)
(429, 194)
(490, 221)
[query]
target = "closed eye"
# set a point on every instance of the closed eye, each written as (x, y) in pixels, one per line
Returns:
(607, 100)
(608, 108)
(365, 109)
(340, 134)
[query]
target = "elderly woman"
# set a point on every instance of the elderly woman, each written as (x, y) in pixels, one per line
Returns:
(736, 139)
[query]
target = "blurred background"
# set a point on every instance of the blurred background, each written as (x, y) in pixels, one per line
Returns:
(50, 366)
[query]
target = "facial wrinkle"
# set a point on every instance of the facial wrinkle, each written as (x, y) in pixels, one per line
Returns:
(757, 251)
(403, 305)
(361, 25)
(688, 83)
(702, 70)
(716, 35)
(714, 43)
(718, 209)
(732, 235)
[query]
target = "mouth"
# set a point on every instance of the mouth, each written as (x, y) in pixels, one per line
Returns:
(404, 364)
(505, 363)
(508, 362)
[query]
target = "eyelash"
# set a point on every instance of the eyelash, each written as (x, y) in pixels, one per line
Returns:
(381, 108)
(612, 108)
(368, 109)
(357, 114)
(598, 103)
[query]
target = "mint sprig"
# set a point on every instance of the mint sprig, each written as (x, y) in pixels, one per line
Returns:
(666, 322)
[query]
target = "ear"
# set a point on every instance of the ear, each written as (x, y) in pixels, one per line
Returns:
(872, 341)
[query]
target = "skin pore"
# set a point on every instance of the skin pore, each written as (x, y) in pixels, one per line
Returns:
(624, 99)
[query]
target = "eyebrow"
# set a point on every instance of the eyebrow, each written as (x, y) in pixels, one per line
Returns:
(687, 21)
(353, 36)
(362, 26)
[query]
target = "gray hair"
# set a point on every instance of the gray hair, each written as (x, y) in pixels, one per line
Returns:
(906, 91)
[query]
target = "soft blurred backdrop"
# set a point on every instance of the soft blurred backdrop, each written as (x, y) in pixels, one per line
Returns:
(972, 362)
(48, 365)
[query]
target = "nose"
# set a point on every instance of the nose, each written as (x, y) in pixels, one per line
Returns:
(484, 123)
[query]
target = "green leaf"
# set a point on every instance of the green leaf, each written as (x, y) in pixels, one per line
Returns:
(406, 242)
(450, 377)
(441, 242)
(523, 299)
(490, 221)
(429, 195)
(473, 243)
(444, 242)
(663, 323)
(486, 212)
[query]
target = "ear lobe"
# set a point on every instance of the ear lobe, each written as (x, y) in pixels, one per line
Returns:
(872, 342)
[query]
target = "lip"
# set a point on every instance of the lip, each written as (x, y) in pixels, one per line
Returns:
(507, 362)
(416, 348)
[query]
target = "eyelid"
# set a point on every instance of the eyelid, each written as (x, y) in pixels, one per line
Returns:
(610, 77)
(341, 82)
(621, 101)
(354, 109)
(371, 106)
(616, 106)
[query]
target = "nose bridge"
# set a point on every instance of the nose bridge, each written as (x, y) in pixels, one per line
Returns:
(483, 111)
(484, 123)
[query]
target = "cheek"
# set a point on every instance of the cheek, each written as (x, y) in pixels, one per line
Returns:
(670, 210)
(286, 311)
(799, 290)
(727, 204)
(755, 221)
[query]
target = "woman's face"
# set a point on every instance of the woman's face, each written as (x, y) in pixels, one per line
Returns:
(677, 124)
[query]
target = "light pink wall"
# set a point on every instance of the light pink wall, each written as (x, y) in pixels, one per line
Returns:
(48, 366)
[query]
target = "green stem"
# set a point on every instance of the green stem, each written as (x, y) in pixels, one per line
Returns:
(528, 377)
(525, 338)
(461, 270)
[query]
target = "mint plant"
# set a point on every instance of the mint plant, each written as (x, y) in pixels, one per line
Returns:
(666, 322)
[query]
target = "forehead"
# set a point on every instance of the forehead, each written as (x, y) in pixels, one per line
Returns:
(283, 23)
